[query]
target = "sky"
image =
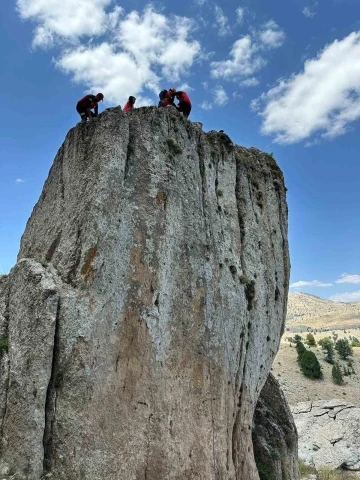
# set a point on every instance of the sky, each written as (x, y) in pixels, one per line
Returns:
(282, 76)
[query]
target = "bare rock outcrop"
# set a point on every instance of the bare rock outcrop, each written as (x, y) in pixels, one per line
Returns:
(274, 435)
(329, 434)
(146, 307)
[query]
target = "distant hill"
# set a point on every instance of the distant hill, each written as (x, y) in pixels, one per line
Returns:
(308, 311)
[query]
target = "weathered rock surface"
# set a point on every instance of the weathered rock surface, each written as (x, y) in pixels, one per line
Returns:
(329, 434)
(147, 305)
(274, 435)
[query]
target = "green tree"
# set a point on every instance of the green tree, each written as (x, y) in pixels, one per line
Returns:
(337, 375)
(297, 338)
(310, 365)
(327, 347)
(343, 348)
(310, 340)
(300, 348)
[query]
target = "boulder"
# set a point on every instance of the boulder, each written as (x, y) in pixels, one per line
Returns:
(147, 305)
(329, 434)
(274, 435)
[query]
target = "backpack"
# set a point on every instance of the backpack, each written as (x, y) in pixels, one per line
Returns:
(162, 94)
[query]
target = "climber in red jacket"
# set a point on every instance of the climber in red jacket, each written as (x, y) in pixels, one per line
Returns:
(184, 105)
(167, 98)
(130, 104)
(86, 104)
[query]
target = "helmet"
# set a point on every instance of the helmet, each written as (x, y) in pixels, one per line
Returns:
(172, 90)
(99, 97)
(132, 99)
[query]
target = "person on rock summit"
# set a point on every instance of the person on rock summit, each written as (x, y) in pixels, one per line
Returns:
(167, 97)
(85, 105)
(130, 104)
(184, 105)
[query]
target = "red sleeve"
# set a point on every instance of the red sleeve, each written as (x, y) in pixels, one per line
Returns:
(127, 107)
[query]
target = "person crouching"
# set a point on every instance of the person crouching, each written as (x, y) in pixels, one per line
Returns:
(85, 105)
(184, 105)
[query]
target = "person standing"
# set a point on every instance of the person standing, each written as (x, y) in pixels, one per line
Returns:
(130, 104)
(85, 105)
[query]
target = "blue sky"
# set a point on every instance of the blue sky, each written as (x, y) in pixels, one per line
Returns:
(283, 76)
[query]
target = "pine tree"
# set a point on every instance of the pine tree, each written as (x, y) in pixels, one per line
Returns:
(343, 348)
(310, 365)
(337, 375)
(300, 348)
(310, 340)
(328, 348)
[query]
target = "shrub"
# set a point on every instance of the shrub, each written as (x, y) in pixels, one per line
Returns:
(337, 375)
(4, 344)
(219, 193)
(355, 342)
(297, 338)
(309, 365)
(173, 146)
(343, 348)
(310, 340)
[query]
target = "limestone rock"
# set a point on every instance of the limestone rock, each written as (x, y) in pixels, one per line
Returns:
(274, 435)
(329, 434)
(163, 251)
(32, 310)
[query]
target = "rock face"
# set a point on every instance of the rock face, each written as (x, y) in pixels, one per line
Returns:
(274, 435)
(329, 434)
(146, 307)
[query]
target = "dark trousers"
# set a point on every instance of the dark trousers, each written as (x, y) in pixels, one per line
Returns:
(184, 108)
(82, 111)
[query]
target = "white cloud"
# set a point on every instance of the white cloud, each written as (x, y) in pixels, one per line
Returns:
(309, 12)
(65, 19)
(312, 283)
(249, 82)
(222, 22)
(206, 105)
(346, 297)
(243, 61)
(324, 99)
(200, 2)
(184, 87)
(205, 85)
(19, 180)
(271, 35)
(220, 96)
(240, 14)
(145, 49)
(348, 278)
(246, 55)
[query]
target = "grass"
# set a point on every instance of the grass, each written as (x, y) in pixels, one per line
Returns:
(173, 146)
(327, 473)
(219, 193)
(324, 473)
(305, 469)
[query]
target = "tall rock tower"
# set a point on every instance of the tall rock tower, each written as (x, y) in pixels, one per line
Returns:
(141, 320)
